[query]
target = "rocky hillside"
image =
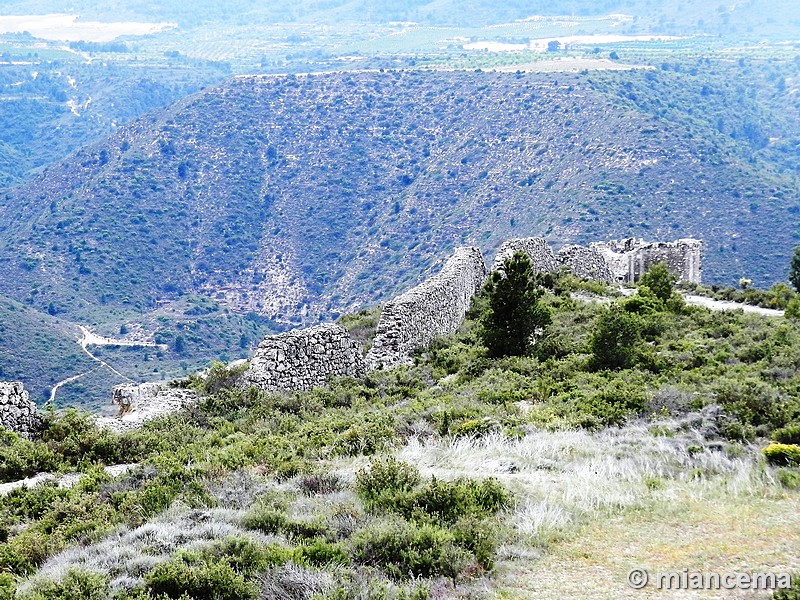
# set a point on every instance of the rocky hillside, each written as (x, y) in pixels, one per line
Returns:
(298, 197)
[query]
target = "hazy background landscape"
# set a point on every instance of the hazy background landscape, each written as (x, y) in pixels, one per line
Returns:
(152, 191)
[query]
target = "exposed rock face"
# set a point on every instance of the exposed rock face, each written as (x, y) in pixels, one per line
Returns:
(140, 403)
(629, 259)
(18, 413)
(537, 249)
(435, 307)
(586, 263)
(304, 359)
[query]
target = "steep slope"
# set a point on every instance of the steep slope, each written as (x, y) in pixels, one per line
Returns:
(296, 197)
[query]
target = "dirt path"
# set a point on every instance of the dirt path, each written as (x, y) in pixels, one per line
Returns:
(712, 304)
(92, 339)
(709, 303)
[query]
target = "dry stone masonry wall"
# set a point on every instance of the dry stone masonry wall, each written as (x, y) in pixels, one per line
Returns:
(629, 259)
(586, 263)
(306, 358)
(433, 308)
(542, 258)
(18, 413)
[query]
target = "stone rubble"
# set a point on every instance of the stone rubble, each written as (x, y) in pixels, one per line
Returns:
(18, 413)
(542, 258)
(585, 263)
(140, 403)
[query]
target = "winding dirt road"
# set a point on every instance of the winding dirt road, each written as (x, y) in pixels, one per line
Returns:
(92, 339)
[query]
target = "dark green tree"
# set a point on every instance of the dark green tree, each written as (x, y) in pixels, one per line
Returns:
(660, 281)
(616, 340)
(794, 269)
(514, 318)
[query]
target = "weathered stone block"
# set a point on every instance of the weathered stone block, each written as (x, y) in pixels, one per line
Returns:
(18, 413)
(309, 357)
(537, 249)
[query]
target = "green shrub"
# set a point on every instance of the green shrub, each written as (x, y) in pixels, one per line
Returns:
(659, 281)
(7, 586)
(221, 377)
(75, 585)
(475, 427)
(266, 519)
(321, 553)
(384, 480)
(790, 594)
(243, 555)
(435, 501)
(616, 338)
(782, 455)
(20, 458)
(479, 536)
(793, 310)
(190, 575)
(789, 478)
(754, 402)
(787, 435)
(406, 550)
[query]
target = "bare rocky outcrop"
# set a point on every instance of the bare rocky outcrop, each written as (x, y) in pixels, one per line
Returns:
(435, 307)
(585, 263)
(139, 403)
(542, 258)
(630, 258)
(18, 413)
(305, 358)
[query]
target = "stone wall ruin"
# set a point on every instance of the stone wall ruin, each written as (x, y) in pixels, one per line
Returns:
(585, 263)
(305, 358)
(542, 258)
(433, 308)
(138, 403)
(630, 258)
(18, 413)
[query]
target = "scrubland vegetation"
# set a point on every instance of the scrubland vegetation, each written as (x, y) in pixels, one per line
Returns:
(435, 480)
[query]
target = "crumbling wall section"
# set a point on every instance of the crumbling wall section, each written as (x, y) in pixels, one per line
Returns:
(586, 263)
(542, 258)
(18, 413)
(139, 403)
(305, 358)
(630, 258)
(433, 308)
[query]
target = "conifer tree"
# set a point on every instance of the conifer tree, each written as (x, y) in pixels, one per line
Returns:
(514, 318)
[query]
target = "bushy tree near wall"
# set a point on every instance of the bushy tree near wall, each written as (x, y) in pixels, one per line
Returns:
(514, 317)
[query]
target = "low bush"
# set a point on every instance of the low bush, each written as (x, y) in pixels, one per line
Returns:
(782, 455)
(74, 585)
(384, 480)
(789, 478)
(189, 575)
(787, 435)
(792, 593)
(406, 550)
